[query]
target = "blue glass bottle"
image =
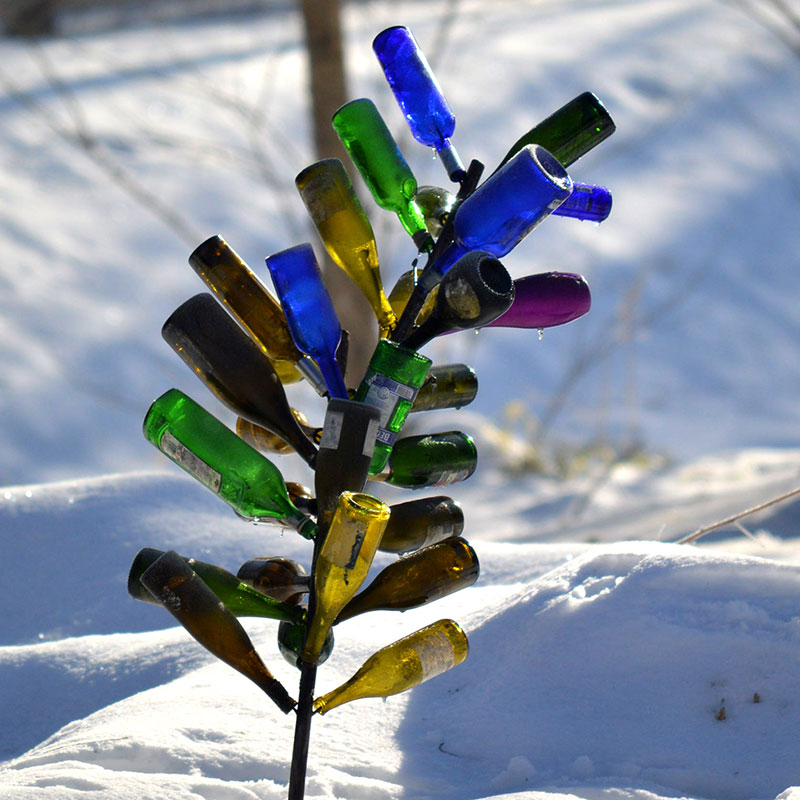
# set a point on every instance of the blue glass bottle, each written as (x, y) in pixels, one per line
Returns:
(504, 209)
(313, 323)
(418, 94)
(588, 202)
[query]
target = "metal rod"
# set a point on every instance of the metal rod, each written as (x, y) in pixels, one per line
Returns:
(302, 732)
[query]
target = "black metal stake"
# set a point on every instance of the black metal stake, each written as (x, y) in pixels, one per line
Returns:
(302, 732)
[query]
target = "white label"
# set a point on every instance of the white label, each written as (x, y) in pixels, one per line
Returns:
(369, 439)
(435, 655)
(332, 430)
(446, 478)
(385, 394)
(185, 458)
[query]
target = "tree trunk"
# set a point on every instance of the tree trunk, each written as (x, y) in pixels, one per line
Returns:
(321, 19)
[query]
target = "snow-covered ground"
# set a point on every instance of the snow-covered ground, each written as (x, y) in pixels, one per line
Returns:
(606, 661)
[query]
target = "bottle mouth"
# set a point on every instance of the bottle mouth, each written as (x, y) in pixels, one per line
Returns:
(494, 275)
(552, 167)
(366, 504)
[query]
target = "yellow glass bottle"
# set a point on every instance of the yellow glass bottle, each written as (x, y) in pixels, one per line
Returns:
(401, 291)
(342, 563)
(345, 231)
(402, 665)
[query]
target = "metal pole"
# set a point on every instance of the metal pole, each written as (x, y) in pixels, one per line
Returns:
(302, 732)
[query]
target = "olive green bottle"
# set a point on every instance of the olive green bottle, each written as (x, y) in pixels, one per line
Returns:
(345, 231)
(239, 598)
(422, 522)
(342, 562)
(215, 456)
(402, 665)
(292, 635)
(447, 386)
(414, 580)
(178, 588)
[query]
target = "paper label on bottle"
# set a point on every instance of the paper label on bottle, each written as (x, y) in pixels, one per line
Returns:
(452, 476)
(332, 430)
(185, 458)
(322, 197)
(343, 551)
(373, 429)
(385, 394)
(435, 655)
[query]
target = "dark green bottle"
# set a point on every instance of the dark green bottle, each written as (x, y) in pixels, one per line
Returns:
(436, 459)
(291, 637)
(239, 598)
(570, 132)
(373, 150)
(215, 456)
(447, 386)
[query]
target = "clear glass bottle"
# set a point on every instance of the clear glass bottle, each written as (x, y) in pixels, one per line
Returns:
(310, 315)
(402, 665)
(342, 562)
(345, 231)
(177, 587)
(238, 288)
(390, 383)
(234, 368)
(373, 150)
(239, 598)
(215, 456)
(419, 95)
(417, 579)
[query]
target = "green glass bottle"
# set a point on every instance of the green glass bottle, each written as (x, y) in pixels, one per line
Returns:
(239, 598)
(391, 382)
(570, 132)
(178, 588)
(422, 522)
(447, 386)
(215, 456)
(435, 459)
(238, 288)
(402, 665)
(373, 150)
(234, 368)
(342, 562)
(290, 642)
(436, 205)
(274, 576)
(345, 231)
(422, 577)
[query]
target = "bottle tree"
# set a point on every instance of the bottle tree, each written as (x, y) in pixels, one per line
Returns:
(245, 346)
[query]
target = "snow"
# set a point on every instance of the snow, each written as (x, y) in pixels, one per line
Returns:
(606, 662)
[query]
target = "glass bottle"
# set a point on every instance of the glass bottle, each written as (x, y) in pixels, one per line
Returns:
(345, 453)
(291, 636)
(390, 383)
(280, 578)
(176, 586)
(269, 442)
(402, 665)
(434, 459)
(234, 368)
(570, 132)
(373, 150)
(345, 231)
(342, 562)
(422, 522)
(414, 580)
(505, 208)
(544, 300)
(215, 456)
(239, 598)
(447, 386)
(249, 301)
(310, 315)
(436, 205)
(418, 94)
(475, 291)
